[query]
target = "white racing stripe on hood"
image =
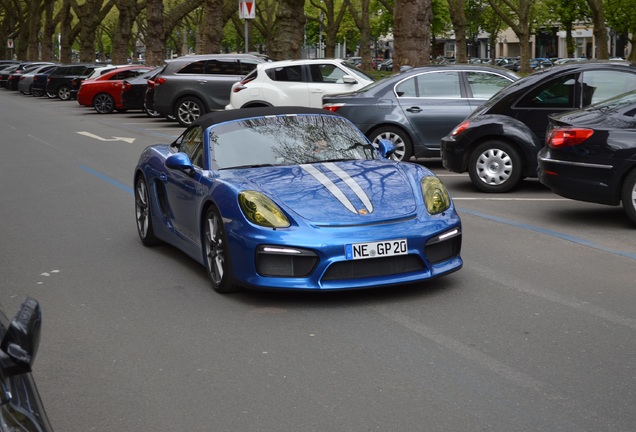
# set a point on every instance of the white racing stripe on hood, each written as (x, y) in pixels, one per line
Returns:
(331, 187)
(355, 187)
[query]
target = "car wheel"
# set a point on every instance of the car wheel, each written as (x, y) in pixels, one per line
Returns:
(217, 256)
(628, 195)
(51, 95)
(151, 113)
(104, 103)
(188, 110)
(403, 145)
(495, 166)
(143, 214)
(64, 93)
(37, 93)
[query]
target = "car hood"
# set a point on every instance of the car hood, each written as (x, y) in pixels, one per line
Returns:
(339, 193)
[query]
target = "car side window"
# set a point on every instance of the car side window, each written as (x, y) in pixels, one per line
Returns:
(557, 93)
(192, 145)
(287, 74)
(193, 68)
(222, 67)
(601, 85)
(247, 66)
(123, 75)
(407, 88)
(439, 85)
(327, 73)
(484, 84)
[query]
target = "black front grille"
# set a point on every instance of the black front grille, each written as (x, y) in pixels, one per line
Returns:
(280, 265)
(443, 250)
(374, 267)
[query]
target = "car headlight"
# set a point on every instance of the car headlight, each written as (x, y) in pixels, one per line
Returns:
(435, 195)
(261, 210)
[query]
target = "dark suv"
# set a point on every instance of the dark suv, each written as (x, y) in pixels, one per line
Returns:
(58, 84)
(190, 86)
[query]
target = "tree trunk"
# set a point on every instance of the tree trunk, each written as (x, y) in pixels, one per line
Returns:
(458, 18)
(600, 30)
(288, 34)
(155, 40)
(48, 31)
(412, 33)
(212, 27)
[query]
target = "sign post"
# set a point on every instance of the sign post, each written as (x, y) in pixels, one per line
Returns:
(247, 11)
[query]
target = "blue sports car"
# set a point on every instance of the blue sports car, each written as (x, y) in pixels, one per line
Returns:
(294, 198)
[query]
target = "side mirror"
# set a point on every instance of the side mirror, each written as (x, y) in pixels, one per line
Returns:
(348, 79)
(386, 148)
(21, 340)
(179, 161)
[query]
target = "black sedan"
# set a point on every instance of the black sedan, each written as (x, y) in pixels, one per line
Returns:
(590, 154)
(133, 91)
(499, 142)
(21, 408)
(417, 107)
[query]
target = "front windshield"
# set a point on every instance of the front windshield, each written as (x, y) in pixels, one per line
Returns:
(286, 140)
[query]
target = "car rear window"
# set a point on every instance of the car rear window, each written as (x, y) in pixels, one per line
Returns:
(286, 74)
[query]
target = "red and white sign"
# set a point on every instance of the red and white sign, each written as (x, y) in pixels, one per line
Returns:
(10, 43)
(247, 9)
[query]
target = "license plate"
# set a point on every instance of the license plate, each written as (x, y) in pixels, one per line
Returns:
(379, 249)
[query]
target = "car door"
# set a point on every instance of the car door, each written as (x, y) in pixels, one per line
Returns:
(433, 104)
(288, 86)
(217, 79)
(183, 189)
(324, 79)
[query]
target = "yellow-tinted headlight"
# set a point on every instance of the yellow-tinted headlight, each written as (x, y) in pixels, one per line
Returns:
(435, 195)
(261, 210)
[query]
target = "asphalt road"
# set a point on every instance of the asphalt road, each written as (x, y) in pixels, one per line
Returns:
(536, 333)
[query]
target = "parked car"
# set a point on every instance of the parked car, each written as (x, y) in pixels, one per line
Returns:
(76, 82)
(353, 219)
(58, 84)
(21, 407)
(417, 107)
(133, 90)
(296, 83)
(38, 86)
(386, 65)
(6, 72)
(590, 154)
(498, 143)
(190, 86)
(25, 82)
(14, 77)
(104, 92)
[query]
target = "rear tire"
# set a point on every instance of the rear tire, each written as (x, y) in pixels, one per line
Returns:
(403, 144)
(104, 103)
(64, 93)
(37, 93)
(188, 110)
(628, 195)
(495, 167)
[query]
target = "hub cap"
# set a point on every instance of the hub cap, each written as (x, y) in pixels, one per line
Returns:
(494, 166)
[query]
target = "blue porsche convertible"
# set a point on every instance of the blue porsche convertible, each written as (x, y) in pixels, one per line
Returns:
(294, 198)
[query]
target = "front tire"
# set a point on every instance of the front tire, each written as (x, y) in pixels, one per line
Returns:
(143, 214)
(188, 110)
(104, 103)
(628, 196)
(403, 144)
(495, 167)
(217, 254)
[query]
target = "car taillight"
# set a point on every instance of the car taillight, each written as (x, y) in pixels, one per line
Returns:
(150, 84)
(22, 77)
(333, 107)
(160, 80)
(48, 80)
(460, 128)
(567, 137)
(127, 86)
(238, 87)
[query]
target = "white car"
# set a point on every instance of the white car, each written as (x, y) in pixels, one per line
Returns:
(296, 82)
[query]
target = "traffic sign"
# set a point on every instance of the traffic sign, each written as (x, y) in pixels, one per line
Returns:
(247, 9)
(10, 43)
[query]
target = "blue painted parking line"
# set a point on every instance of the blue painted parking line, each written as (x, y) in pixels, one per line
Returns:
(107, 179)
(552, 233)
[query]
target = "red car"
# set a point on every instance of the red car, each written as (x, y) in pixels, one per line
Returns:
(104, 92)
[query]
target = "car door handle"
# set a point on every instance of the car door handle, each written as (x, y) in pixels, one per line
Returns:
(202, 81)
(414, 109)
(163, 177)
